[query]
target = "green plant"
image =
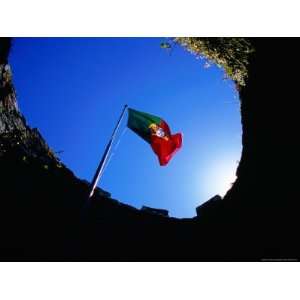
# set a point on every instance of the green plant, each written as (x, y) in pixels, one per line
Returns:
(232, 54)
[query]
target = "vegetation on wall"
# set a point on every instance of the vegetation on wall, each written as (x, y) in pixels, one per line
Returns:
(232, 54)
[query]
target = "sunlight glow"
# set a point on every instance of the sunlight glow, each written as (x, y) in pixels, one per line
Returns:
(224, 177)
(220, 177)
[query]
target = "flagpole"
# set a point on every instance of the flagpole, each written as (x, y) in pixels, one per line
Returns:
(101, 165)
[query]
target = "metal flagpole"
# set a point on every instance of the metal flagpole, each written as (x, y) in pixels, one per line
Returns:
(101, 165)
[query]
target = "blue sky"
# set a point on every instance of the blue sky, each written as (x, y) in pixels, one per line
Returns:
(73, 90)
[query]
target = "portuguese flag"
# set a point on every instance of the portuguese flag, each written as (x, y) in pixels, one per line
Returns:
(156, 132)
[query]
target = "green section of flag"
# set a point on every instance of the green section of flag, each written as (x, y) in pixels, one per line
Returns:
(139, 122)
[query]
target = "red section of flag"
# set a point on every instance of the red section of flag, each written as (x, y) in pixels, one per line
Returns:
(164, 144)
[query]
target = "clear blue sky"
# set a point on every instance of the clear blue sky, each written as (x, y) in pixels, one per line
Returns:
(73, 90)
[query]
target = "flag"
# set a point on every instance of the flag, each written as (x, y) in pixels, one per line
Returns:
(156, 132)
